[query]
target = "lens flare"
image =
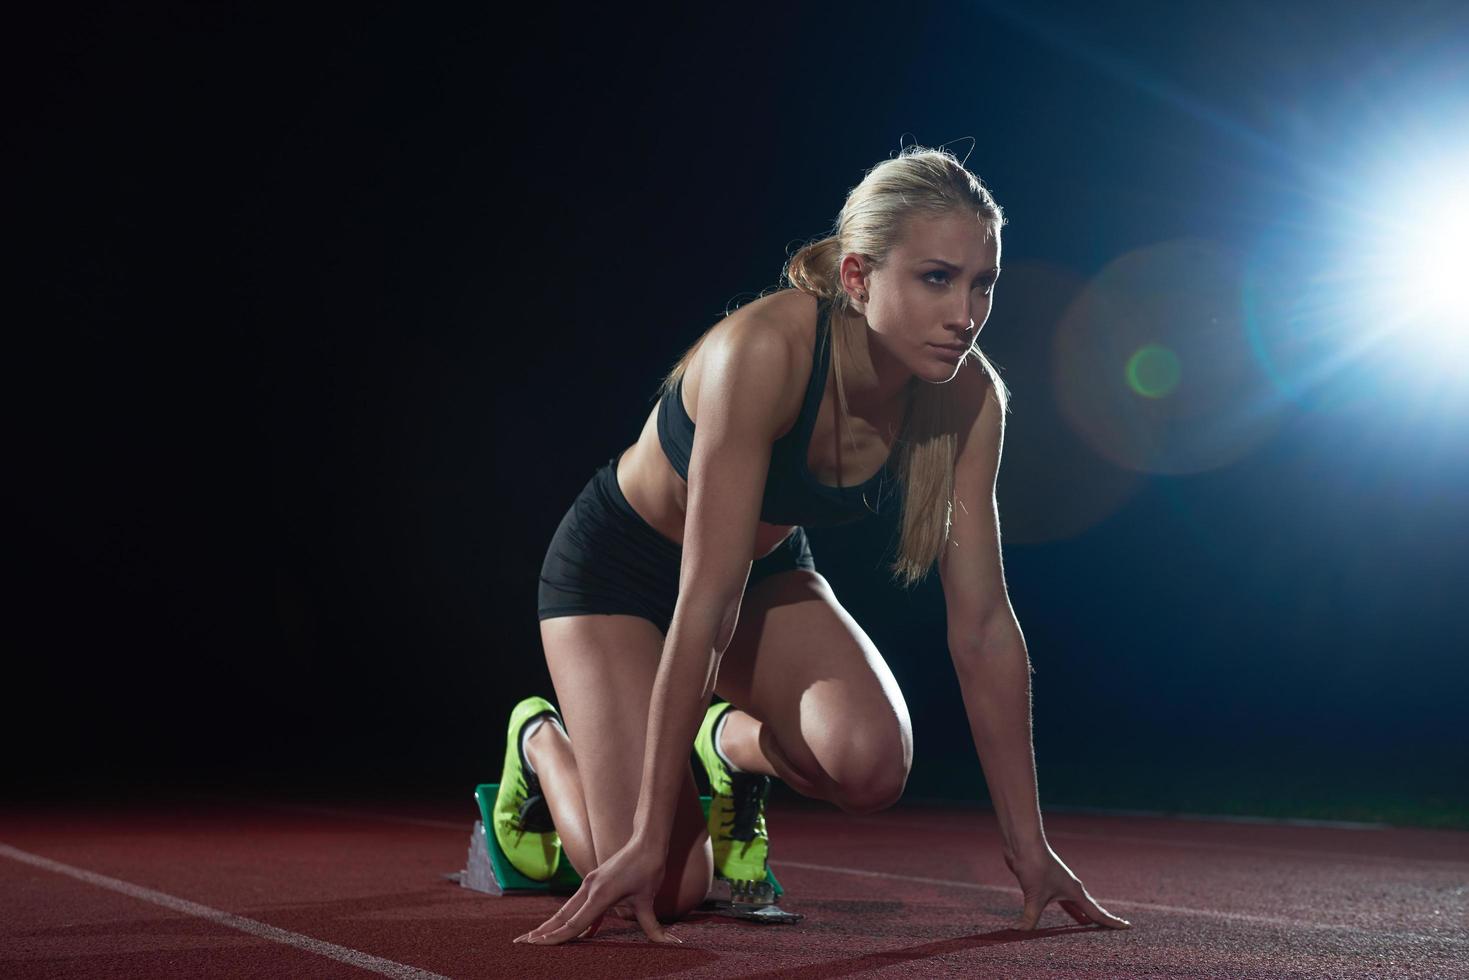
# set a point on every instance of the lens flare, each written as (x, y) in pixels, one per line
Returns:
(1152, 364)
(1153, 371)
(1052, 486)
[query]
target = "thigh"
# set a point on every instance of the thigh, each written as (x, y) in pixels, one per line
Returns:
(801, 665)
(603, 668)
(793, 552)
(605, 559)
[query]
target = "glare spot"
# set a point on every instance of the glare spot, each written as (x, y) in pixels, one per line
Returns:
(1153, 371)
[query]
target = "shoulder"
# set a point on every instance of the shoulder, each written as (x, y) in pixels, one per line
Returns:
(982, 402)
(788, 313)
(758, 357)
(766, 329)
(774, 334)
(975, 384)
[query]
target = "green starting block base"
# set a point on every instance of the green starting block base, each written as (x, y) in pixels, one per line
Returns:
(488, 870)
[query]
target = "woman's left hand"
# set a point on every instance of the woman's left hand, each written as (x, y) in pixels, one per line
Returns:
(630, 877)
(1043, 879)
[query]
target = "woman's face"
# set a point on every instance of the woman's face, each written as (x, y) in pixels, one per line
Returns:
(934, 290)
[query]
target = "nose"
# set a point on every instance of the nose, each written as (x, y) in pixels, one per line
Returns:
(961, 319)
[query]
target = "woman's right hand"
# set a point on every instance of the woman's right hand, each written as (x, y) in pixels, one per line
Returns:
(631, 876)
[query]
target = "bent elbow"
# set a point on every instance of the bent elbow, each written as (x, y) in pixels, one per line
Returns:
(727, 626)
(995, 627)
(712, 617)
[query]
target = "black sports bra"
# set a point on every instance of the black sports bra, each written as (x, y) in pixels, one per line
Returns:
(792, 495)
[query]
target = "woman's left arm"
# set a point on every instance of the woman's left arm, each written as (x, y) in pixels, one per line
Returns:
(993, 666)
(994, 677)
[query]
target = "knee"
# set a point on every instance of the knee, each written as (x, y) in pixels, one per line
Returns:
(877, 793)
(878, 783)
(675, 908)
(684, 889)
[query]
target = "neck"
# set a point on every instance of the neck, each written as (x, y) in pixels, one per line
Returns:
(876, 384)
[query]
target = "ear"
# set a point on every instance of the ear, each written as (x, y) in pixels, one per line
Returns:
(855, 275)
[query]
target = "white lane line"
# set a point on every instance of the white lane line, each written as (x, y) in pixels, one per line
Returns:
(1222, 817)
(1013, 890)
(1265, 850)
(341, 954)
(918, 823)
(1079, 809)
(1272, 920)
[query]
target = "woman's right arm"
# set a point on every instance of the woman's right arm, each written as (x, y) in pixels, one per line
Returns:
(744, 376)
(739, 413)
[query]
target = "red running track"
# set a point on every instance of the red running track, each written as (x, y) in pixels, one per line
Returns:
(234, 889)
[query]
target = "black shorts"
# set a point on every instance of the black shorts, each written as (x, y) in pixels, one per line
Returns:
(604, 558)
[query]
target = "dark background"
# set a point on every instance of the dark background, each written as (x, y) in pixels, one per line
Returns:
(323, 318)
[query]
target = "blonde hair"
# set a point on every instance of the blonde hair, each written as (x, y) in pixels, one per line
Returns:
(918, 182)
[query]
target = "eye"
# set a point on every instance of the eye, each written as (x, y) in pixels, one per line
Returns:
(988, 284)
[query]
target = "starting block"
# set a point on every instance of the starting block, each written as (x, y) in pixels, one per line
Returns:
(489, 871)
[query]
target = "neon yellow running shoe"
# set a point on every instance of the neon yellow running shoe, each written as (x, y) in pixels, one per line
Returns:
(736, 809)
(523, 826)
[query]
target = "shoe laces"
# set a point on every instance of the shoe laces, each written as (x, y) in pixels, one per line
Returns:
(747, 792)
(533, 813)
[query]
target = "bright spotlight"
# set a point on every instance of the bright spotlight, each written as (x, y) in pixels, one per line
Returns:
(1429, 266)
(1358, 302)
(1408, 281)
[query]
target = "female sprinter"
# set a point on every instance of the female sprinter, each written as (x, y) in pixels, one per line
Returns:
(682, 571)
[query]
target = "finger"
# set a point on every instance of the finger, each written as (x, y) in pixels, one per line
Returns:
(591, 930)
(578, 924)
(558, 919)
(1032, 913)
(591, 913)
(651, 926)
(563, 915)
(1087, 911)
(1074, 910)
(551, 923)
